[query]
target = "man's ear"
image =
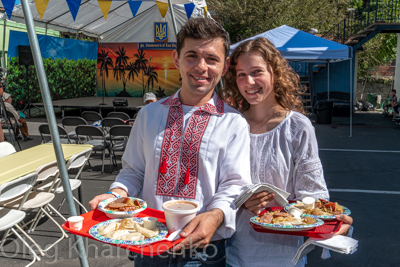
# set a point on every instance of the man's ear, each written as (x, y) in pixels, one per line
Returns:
(176, 58)
(226, 65)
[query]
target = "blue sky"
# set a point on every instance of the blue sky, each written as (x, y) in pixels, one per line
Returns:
(17, 2)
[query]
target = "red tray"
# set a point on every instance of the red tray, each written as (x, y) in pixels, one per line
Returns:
(94, 217)
(327, 230)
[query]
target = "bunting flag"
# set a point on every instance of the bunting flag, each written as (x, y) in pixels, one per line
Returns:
(205, 12)
(134, 5)
(74, 7)
(41, 6)
(189, 9)
(104, 6)
(8, 7)
(162, 7)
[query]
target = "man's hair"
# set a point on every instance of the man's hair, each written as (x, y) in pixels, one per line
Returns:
(394, 91)
(202, 28)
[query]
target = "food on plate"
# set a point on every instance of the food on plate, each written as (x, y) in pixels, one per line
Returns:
(283, 218)
(321, 207)
(124, 204)
(127, 229)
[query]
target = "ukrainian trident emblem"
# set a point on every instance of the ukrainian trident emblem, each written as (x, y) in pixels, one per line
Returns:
(160, 31)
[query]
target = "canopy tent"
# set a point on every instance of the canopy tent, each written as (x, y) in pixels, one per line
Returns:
(296, 45)
(124, 21)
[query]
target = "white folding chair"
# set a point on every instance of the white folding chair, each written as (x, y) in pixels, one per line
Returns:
(6, 149)
(10, 218)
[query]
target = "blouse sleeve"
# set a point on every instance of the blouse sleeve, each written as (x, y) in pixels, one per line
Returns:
(308, 175)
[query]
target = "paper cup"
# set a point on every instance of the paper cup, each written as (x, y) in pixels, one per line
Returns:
(75, 222)
(309, 202)
(295, 212)
(150, 223)
(178, 213)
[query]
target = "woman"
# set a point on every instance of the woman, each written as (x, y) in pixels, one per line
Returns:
(284, 149)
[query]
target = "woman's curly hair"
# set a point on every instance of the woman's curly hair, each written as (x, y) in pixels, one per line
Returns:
(286, 80)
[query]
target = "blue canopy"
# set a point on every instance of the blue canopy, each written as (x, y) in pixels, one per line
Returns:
(296, 45)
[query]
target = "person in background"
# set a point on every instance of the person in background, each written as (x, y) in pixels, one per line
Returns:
(24, 128)
(149, 98)
(190, 146)
(283, 149)
(392, 102)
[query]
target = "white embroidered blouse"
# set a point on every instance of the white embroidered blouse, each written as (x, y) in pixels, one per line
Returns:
(286, 157)
(206, 156)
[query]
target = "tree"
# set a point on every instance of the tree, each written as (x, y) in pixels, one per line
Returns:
(105, 62)
(153, 76)
(120, 66)
(245, 18)
(141, 64)
(132, 71)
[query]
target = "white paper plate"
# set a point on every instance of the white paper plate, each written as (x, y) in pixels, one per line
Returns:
(322, 217)
(279, 227)
(120, 214)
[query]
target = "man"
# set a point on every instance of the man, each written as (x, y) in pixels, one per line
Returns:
(10, 108)
(190, 146)
(149, 98)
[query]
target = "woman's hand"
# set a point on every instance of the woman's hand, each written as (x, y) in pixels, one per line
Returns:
(258, 201)
(347, 222)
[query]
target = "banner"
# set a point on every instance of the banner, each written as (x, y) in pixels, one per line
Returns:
(123, 69)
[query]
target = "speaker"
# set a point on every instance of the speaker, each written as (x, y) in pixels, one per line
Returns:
(25, 55)
(120, 102)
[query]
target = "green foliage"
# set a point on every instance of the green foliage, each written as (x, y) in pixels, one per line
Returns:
(243, 19)
(66, 79)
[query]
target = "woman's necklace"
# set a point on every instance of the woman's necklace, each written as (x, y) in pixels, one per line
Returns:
(269, 123)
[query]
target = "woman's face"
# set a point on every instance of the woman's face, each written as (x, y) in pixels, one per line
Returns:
(254, 79)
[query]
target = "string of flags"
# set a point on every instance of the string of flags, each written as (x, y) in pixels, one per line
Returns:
(105, 5)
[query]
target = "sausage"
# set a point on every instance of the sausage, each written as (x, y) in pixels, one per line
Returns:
(282, 214)
(114, 205)
(266, 218)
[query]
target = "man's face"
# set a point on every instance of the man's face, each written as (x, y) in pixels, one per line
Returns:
(150, 101)
(201, 64)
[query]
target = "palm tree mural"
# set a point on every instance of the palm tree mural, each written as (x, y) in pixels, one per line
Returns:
(141, 64)
(105, 62)
(132, 71)
(119, 69)
(153, 76)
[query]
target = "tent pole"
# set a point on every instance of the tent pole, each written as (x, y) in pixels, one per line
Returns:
(328, 79)
(173, 17)
(51, 118)
(3, 60)
(351, 98)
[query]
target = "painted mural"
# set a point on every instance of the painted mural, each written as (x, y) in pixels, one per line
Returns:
(124, 70)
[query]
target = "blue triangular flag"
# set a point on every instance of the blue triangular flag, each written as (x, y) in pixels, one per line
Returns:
(74, 7)
(189, 9)
(8, 7)
(134, 5)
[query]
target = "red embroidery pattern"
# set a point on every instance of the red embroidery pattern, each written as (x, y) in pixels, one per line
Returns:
(172, 184)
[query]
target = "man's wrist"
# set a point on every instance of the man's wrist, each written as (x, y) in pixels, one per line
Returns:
(114, 193)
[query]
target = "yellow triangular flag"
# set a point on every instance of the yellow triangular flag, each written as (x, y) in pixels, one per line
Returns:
(105, 7)
(162, 7)
(41, 6)
(205, 11)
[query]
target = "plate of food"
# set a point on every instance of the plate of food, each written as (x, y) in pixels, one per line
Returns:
(122, 207)
(128, 231)
(320, 209)
(282, 221)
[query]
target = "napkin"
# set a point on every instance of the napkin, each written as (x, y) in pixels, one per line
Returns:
(338, 243)
(280, 195)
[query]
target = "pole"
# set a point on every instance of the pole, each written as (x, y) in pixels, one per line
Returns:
(328, 79)
(51, 118)
(3, 60)
(173, 17)
(351, 98)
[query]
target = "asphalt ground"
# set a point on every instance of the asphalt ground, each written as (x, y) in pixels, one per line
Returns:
(362, 173)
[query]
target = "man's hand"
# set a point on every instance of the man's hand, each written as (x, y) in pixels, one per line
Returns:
(258, 201)
(200, 230)
(347, 222)
(97, 199)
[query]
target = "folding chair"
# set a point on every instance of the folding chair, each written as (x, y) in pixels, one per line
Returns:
(13, 125)
(72, 121)
(6, 149)
(10, 218)
(44, 131)
(90, 131)
(121, 115)
(39, 202)
(108, 122)
(91, 116)
(119, 131)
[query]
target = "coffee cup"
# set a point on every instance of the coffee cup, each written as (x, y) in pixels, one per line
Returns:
(178, 213)
(75, 222)
(308, 202)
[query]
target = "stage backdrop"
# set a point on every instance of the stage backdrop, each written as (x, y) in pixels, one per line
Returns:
(132, 69)
(70, 67)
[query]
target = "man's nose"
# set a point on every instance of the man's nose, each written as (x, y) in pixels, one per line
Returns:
(201, 64)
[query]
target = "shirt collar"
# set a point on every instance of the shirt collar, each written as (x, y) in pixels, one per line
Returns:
(214, 106)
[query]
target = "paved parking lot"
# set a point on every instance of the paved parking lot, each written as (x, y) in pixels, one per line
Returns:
(362, 173)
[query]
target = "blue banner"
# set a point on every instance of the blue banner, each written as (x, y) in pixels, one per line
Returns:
(54, 47)
(163, 46)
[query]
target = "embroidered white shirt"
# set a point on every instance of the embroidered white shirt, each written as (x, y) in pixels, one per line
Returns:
(286, 157)
(219, 161)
